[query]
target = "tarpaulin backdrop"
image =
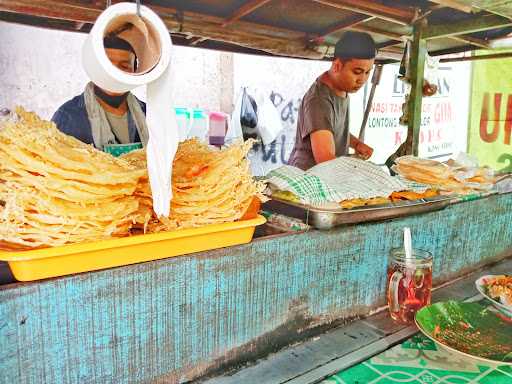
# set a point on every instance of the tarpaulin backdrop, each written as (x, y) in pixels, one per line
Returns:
(490, 124)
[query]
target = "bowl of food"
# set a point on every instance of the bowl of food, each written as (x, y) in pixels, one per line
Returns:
(498, 290)
(469, 329)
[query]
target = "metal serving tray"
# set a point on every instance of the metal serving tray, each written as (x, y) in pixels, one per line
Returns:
(328, 218)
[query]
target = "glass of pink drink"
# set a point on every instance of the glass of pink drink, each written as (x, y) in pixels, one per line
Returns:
(409, 284)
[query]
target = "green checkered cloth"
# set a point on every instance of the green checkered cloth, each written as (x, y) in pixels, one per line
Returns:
(340, 179)
(307, 187)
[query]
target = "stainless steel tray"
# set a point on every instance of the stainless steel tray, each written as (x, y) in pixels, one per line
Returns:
(329, 218)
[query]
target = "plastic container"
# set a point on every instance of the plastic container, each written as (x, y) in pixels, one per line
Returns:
(75, 258)
(199, 125)
(218, 128)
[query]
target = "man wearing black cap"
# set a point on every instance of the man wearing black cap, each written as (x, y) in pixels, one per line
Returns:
(104, 118)
(323, 122)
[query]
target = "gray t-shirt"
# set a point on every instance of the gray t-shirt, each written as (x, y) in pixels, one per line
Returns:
(119, 126)
(321, 109)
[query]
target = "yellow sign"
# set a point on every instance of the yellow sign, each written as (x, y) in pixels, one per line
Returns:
(490, 124)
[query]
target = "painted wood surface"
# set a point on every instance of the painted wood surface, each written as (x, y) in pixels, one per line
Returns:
(176, 319)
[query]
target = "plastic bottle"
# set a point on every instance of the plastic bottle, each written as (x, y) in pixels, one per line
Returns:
(199, 126)
(183, 120)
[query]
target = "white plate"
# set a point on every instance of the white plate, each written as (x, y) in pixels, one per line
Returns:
(480, 286)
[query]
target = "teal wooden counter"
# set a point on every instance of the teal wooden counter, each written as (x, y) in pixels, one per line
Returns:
(177, 319)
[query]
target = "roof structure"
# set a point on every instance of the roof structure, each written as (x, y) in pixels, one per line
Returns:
(294, 28)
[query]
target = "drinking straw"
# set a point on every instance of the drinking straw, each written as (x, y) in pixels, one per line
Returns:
(408, 245)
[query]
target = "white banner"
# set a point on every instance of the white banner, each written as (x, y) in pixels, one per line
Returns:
(444, 116)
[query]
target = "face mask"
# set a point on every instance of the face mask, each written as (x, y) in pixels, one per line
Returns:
(113, 101)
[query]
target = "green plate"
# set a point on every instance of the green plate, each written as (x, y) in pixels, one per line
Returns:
(468, 328)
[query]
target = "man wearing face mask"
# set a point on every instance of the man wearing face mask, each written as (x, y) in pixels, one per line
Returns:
(103, 118)
(323, 122)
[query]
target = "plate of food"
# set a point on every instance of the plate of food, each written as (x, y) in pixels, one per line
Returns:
(470, 329)
(498, 290)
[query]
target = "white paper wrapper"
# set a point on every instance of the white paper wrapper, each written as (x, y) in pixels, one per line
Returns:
(153, 47)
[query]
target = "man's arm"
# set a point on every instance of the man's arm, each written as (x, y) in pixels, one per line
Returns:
(322, 144)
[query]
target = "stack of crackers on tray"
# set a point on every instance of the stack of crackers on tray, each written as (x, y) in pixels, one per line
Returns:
(448, 178)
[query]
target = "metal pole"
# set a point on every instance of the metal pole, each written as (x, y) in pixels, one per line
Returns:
(138, 7)
(377, 72)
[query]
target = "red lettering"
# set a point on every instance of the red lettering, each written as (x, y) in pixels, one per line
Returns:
(443, 113)
(508, 121)
(398, 137)
(485, 135)
(437, 113)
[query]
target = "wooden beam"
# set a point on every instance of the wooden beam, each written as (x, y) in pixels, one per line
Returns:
(78, 25)
(433, 8)
(392, 49)
(399, 15)
(52, 10)
(197, 40)
(454, 4)
(377, 31)
(389, 43)
(267, 38)
(475, 24)
(417, 70)
(347, 23)
(393, 56)
(474, 41)
(244, 10)
(502, 55)
(395, 37)
(466, 39)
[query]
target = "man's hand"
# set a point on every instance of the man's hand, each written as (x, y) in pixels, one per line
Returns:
(363, 151)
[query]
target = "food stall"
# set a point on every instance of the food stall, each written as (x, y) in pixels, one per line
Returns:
(178, 319)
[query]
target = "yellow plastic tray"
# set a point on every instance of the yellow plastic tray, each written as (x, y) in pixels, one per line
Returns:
(69, 259)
